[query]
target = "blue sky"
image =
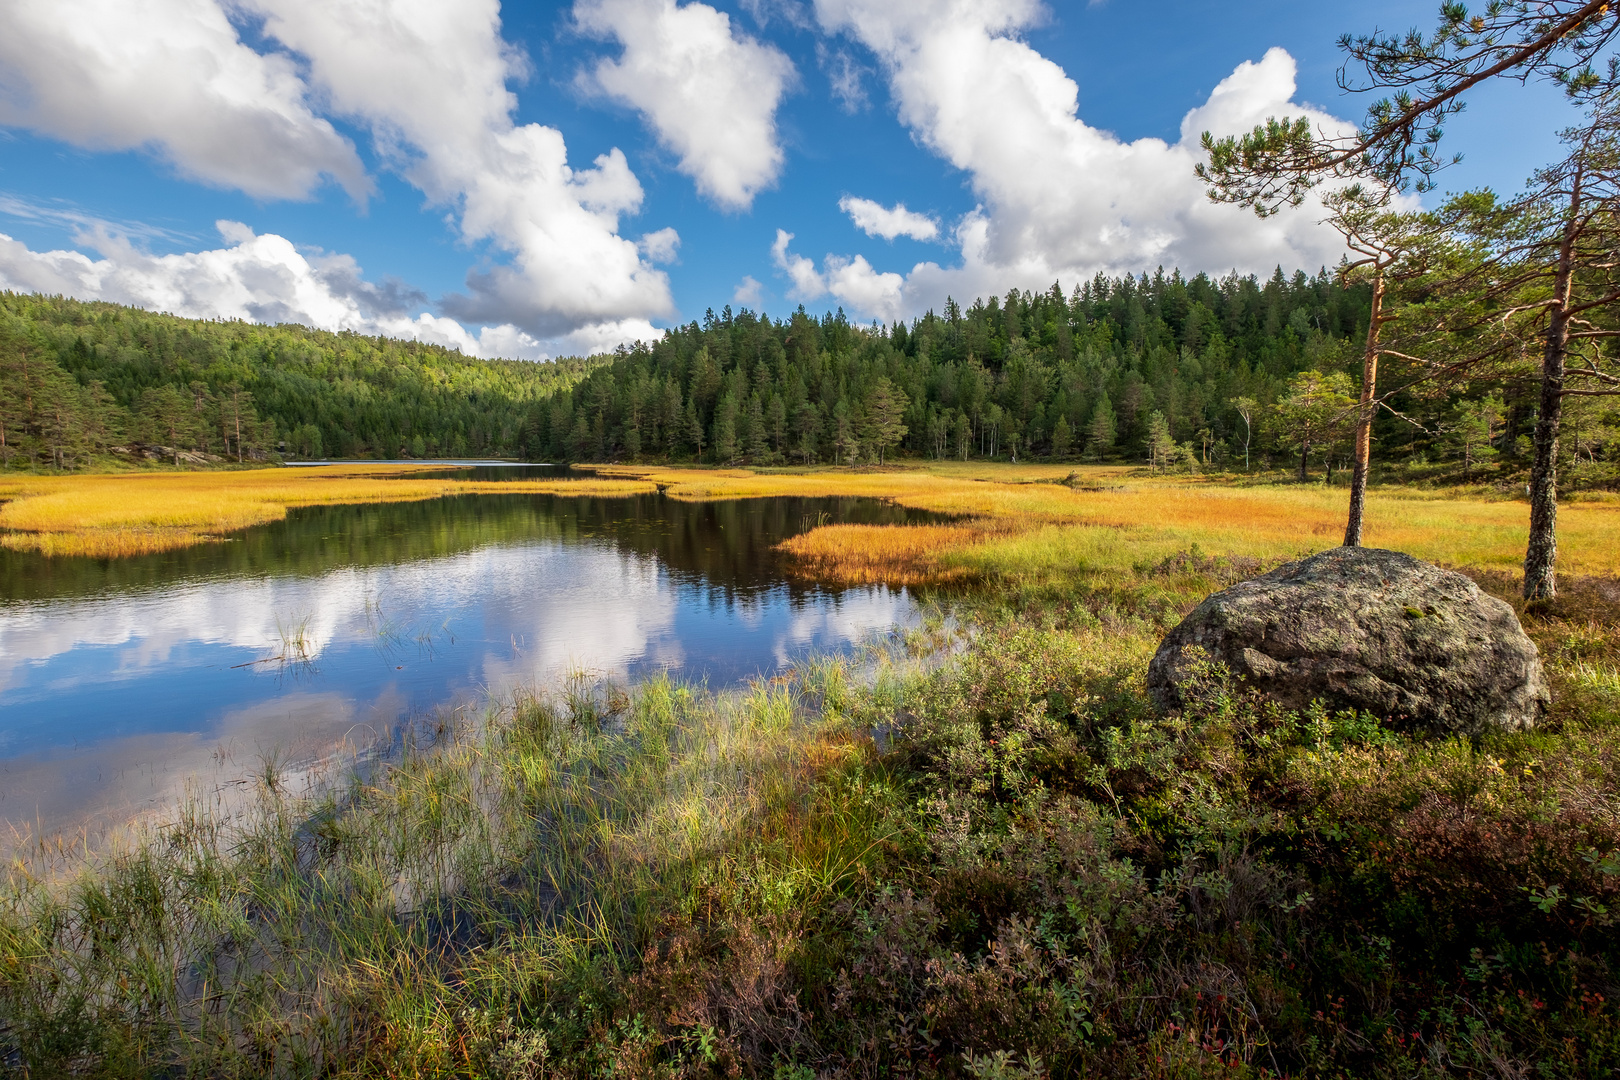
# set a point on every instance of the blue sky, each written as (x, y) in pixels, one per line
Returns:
(367, 163)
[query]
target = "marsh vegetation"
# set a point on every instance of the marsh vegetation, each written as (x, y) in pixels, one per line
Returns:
(972, 849)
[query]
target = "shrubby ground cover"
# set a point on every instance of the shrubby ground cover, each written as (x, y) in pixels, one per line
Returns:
(973, 850)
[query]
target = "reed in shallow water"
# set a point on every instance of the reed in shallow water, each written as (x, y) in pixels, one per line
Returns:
(504, 855)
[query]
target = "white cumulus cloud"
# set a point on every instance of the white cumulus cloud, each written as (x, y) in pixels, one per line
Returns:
(265, 278)
(709, 91)
(170, 76)
(850, 280)
(429, 78)
(875, 219)
(661, 246)
(426, 78)
(1060, 199)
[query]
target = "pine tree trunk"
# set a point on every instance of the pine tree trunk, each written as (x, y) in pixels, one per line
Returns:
(1541, 554)
(1304, 461)
(1364, 418)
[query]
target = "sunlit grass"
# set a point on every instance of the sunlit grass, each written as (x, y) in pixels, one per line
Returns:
(558, 832)
(141, 513)
(137, 514)
(112, 543)
(1111, 518)
(889, 554)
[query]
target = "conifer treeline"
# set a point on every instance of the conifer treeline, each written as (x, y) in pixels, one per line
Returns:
(78, 378)
(1096, 374)
(1159, 370)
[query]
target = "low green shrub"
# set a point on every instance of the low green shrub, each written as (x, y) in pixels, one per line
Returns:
(977, 852)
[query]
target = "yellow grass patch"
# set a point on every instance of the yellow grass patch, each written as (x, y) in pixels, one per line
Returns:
(104, 543)
(121, 515)
(1015, 519)
(891, 554)
(1112, 518)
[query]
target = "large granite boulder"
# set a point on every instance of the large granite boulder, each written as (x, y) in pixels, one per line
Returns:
(1371, 630)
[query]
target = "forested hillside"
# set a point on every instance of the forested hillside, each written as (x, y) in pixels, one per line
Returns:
(1092, 374)
(79, 378)
(1161, 370)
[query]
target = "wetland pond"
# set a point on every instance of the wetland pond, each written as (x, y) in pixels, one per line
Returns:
(125, 682)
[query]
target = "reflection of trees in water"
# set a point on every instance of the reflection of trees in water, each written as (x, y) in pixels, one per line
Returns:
(727, 544)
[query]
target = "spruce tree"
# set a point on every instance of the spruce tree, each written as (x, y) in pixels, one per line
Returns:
(1061, 437)
(724, 439)
(1101, 431)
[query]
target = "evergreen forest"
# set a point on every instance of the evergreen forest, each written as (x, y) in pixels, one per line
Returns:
(1174, 373)
(1127, 369)
(79, 379)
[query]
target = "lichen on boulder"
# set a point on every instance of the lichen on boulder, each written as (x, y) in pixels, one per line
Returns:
(1370, 630)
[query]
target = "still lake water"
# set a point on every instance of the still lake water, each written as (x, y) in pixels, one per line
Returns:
(124, 681)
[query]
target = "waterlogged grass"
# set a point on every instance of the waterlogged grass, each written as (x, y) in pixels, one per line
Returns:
(1117, 516)
(1128, 513)
(142, 513)
(887, 554)
(513, 860)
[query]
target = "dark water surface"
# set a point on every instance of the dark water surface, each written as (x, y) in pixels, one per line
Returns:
(124, 681)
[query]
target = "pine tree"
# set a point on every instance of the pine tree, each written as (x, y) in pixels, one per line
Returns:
(725, 428)
(776, 424)
(846, 445)
(1472, 428)
(1316, 410)
(807, 422)
(1161, 444)
(10, 420)
(885, 408)
(756, 434)
(168, 416)
(694, 428)
(1101, 431)
(1061, 437)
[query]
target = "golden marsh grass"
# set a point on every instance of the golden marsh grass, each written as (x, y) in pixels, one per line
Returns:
(1111, 518)
(888, 554)
(1013, 518)
(139, 514)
